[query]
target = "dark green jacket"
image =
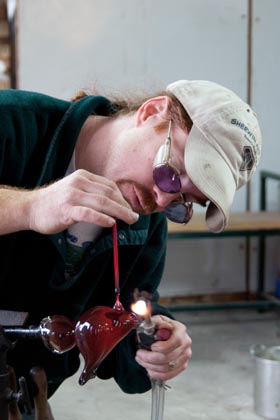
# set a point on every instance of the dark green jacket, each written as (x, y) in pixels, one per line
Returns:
(37, 138)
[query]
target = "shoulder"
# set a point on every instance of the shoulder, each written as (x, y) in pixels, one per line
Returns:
(12, 99)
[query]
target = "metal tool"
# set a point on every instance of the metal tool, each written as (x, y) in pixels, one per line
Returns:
(146, 336)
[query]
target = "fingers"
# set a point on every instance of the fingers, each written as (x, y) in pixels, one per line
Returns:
(95, 199)
(167, 358)
(104, 213)
(87, 184)
(79, 197)
(164, 366)
(163, 369)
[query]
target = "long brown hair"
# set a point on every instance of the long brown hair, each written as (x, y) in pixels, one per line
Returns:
(130, 103)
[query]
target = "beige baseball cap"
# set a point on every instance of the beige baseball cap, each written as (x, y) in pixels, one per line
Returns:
(223, 147)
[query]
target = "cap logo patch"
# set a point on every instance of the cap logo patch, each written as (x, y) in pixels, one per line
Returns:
(248, 159)
(243, 127)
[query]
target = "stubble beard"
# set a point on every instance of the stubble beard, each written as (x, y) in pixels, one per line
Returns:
(147, 199)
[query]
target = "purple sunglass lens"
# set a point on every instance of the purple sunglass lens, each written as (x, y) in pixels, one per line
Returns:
(166, 179)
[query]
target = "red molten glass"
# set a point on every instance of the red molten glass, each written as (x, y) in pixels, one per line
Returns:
(98, 331)
(57, 333)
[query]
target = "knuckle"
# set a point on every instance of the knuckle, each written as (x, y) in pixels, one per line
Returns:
(102, 200)
(70, 196)
(74, 177)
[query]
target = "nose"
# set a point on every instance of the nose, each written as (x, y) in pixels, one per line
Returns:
(162, 198)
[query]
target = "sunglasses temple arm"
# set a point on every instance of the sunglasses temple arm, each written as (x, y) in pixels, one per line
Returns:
(168, 140)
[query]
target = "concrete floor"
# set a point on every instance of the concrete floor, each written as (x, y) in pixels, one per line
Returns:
(218, 384)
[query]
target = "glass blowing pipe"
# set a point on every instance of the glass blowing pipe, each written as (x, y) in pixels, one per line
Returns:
(57, 333)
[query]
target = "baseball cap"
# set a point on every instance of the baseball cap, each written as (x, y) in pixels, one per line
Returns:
(223, 147)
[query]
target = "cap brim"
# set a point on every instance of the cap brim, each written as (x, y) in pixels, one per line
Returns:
(212, 176)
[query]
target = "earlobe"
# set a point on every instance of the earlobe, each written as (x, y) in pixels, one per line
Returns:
(153, 108)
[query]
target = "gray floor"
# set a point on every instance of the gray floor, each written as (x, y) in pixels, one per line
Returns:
(218, 384)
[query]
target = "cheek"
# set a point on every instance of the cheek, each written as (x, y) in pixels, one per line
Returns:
(141, 165)
(142, 173)
(138, 162)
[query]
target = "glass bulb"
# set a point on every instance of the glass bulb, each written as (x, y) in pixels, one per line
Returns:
(57, 333)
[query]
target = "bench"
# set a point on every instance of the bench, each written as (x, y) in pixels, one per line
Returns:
(240, 224)
(246, 224)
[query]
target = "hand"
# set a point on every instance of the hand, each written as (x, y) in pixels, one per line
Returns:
(167, 358)
(79, 197)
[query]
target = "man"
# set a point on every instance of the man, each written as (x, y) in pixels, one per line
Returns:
(69, 170)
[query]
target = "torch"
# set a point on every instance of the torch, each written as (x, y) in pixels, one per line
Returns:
(147, 334)
(147, 328)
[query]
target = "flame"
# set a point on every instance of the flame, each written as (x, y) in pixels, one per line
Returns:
(141, 308)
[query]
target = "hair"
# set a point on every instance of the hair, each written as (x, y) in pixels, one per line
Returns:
(130, 104)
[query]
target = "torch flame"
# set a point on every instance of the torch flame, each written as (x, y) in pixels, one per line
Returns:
(141, 308)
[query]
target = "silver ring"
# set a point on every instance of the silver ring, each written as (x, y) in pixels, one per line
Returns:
(171, 365)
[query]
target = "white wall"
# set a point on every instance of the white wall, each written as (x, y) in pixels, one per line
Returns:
(66, 45)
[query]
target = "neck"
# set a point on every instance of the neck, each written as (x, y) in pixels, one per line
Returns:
(92, 143)
(98, 136)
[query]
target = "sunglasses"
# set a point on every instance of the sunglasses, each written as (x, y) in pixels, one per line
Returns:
(167, 179)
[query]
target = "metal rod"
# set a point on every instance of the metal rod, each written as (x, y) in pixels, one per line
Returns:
(158, 396)
(146, 336)
(248, 186)
(18, 332)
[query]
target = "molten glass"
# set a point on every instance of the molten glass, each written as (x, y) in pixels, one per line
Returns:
(57, 333)
(98, 331)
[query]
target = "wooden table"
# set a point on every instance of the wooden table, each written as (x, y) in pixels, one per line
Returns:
(246, 224)
(241, 223)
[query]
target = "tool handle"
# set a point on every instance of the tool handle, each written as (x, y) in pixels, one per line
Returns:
(145, 340)
(162, 334)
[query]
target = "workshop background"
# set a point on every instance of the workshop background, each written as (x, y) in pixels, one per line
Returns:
(134, 45)
(62, 46)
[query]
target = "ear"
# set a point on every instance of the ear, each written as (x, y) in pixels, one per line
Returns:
(157, 107)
